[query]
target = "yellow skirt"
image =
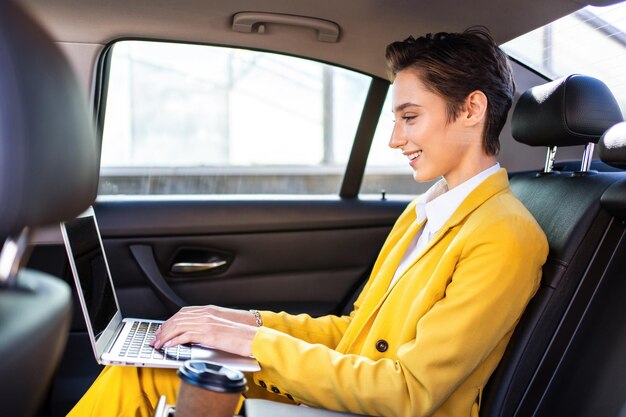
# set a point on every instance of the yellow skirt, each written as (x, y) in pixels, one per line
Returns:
(124, 391)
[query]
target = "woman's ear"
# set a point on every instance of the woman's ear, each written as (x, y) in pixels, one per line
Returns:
(476, 107)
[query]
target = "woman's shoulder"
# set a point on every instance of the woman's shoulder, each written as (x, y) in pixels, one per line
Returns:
(506, 213)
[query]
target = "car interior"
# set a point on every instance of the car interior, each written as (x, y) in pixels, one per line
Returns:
(281, 188)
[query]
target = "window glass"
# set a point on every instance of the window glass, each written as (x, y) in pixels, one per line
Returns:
(591, 41)
(188, 119)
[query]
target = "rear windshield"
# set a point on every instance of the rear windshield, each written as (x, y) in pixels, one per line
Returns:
(590, 41)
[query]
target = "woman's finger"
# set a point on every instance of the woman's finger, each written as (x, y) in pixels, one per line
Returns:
(177, 328)
(227, 336)
(197, 317)
(187, 337)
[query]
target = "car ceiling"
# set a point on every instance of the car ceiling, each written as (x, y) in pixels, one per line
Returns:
(367, 26)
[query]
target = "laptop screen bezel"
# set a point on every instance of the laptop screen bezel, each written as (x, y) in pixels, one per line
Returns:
(106, 337)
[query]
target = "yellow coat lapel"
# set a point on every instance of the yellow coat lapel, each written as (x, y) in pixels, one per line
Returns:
(492, 185)
(378, 289)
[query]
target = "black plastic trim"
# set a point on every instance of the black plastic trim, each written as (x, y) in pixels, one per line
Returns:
(144, 256)
(355, 170)
(103, 70)
(531, 69)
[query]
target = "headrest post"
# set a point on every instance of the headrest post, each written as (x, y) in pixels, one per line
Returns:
(550, 159)
(587, 157)
(12, 256)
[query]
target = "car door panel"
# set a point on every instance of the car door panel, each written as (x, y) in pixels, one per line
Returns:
(298, 256)
(267, 268)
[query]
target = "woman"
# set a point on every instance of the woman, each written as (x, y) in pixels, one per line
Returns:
(446, 292)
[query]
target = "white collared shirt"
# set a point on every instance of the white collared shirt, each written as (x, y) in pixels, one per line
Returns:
(437, 206)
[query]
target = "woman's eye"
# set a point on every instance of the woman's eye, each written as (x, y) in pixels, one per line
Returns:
(406, 118)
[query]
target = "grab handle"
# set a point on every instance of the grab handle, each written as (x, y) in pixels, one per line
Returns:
(247, 22)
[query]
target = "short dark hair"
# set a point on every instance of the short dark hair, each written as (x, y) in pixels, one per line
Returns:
(453, 65)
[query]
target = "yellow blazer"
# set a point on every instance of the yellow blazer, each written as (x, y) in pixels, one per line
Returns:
(427, 345)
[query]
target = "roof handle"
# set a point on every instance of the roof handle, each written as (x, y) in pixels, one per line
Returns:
(248, 22)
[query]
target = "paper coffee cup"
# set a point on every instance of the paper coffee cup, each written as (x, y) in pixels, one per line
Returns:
(208, 389)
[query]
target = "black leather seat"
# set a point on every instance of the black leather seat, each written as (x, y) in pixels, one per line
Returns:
(571, 111)
(589, 378)
(48, 173)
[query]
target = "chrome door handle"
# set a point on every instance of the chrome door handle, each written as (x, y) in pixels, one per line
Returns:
(188, 267)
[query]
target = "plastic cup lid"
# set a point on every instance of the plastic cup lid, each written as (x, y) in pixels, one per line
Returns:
(212, 376)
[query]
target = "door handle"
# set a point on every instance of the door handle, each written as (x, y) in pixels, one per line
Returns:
(190, 267)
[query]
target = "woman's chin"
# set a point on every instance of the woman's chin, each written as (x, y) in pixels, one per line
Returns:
(421, 176)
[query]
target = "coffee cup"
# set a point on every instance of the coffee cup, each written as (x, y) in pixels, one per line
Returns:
(208, 389)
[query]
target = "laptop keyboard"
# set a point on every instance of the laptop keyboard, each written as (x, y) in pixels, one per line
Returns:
(137, 344)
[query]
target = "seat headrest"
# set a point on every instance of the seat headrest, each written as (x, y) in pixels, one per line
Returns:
(612, 149)
(48, 154)
(573, 110)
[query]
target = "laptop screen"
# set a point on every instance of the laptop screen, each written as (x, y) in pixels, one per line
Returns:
(85, 248)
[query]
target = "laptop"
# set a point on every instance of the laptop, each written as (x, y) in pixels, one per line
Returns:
(119, 340)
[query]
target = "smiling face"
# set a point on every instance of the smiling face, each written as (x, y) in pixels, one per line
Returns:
(435, 145)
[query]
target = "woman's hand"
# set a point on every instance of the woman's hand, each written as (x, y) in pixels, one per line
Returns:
(211, 326)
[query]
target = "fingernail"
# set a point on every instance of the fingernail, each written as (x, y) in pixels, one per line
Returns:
(167, 344)
(156, 343)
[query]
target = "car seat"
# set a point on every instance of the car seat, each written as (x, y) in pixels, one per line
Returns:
(588, 379)
(574, 110)
(48, 173)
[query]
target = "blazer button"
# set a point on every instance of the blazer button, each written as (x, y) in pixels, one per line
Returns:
(382, 345)
(275, 390)
(262, 384)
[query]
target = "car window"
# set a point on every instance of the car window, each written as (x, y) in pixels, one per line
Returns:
(197, 119)
(590, 41)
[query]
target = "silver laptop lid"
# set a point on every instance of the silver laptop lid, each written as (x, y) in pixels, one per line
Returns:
(93, 279)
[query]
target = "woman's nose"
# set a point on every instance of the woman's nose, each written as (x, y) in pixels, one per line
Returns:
(397, 138)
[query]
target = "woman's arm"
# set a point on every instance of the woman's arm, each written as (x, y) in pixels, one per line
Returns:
(325, 330)
(232, 330)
